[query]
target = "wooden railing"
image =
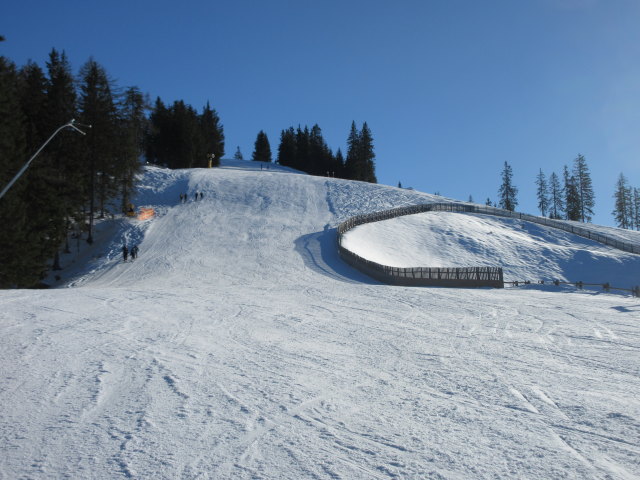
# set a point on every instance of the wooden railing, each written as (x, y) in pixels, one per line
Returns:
(452, 276)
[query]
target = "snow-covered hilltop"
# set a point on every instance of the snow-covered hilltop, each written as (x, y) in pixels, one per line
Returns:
(238, 345)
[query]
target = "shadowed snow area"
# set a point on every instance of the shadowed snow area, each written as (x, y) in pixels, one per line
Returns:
(239, 345)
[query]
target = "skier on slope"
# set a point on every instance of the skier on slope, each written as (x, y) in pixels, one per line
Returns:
(125, 252)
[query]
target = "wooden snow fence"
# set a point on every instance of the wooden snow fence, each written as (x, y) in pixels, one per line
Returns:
(452, 276)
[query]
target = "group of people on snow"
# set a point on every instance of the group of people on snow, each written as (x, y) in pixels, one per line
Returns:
(126, 252)
(197, 195)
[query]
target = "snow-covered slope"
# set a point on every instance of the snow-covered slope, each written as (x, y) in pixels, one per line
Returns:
(238, 345)
(526, 251)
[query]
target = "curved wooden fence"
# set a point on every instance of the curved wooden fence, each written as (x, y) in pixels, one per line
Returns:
(453, 277)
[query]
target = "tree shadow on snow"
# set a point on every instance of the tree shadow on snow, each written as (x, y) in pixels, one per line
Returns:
(319, 251)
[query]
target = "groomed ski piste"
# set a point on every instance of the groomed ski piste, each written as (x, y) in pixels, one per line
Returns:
(240, 346)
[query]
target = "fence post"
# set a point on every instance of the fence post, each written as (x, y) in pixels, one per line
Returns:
(636, 291)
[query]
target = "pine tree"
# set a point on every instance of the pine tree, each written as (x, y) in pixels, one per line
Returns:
(212, 135)
(487, 202)
(542, 193)
(584, 187)
(15, 242)
(67, 199)
(238, 154)
(623, 208)
(367, 154)
(262, 149)
(572, 196)
(46, 222)
(636, 208)
(360, 162)
(470, 200)
(338, 161)
(508, 192)
(352, 167)
(302, 149)
(97, 108)
(556, 201)
(287, 148)
(133, 125)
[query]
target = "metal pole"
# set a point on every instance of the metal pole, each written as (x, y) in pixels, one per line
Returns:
(26, 165)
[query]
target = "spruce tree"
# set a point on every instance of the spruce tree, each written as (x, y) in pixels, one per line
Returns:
(352, 167)
(542, 193)
(287, 148)
(212, 134)
(338, 161)
(636, 208)
(262, 149)
(67, 200)
(623, 212)
(238, 154)
(556, 200)
(97, 108)
(367, 154)
(15, 242)
(571, 196)
(133, 124)
(507, 191)
(360, 162)
(584, 187)
(47, 204)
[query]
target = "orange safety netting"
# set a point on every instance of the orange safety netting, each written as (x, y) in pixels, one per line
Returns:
(146, 213)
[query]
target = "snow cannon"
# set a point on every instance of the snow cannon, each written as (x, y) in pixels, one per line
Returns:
(146, 213)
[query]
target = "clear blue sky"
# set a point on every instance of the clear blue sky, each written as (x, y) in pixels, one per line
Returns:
(451, 89)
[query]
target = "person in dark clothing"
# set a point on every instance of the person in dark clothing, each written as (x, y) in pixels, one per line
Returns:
(134, 252)
(125, 252)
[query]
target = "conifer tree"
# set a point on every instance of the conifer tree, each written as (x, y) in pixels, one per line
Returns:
(47, 202)
(67, 199)
(636, 208)
(97, 108)
(556, 200)
(584, 188)
(302, 149)
(360, 162)
(133, 124)
(14, 212)
(508, 192)
(542, 193)
(487, 202)
(287, 148)
(367, 153)
(351, 164)
(238, 154)
(262, 149)
(623, 212)
(338, 162)
(212, 135)
(571, 196)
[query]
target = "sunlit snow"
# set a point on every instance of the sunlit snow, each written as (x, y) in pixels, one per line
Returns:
(239, 345)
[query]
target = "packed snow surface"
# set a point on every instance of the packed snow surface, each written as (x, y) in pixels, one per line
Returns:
(526, 251)
(239, 345)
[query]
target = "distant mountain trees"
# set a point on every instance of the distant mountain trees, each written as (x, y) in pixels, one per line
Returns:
(179, 137)
(74, 177)
(306, 150)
